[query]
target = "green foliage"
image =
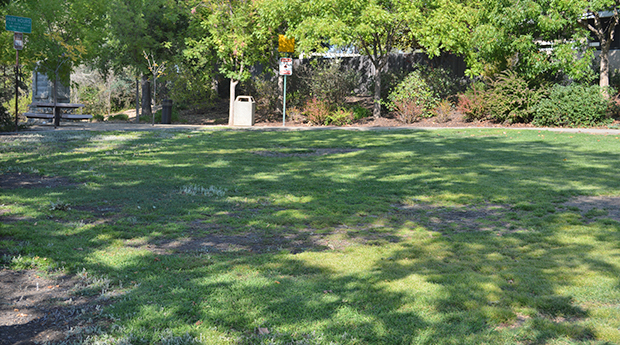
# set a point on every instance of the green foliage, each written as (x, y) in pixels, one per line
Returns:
(7, 122)
(65, 33)
(575, 105)
(509, 35)
(227, 34)
(443, 110)
(174, 117)
(118, 117)
(511, 100)
(473, 103)
(360, 112)
(265, 90)
(188, 88)
(326, 80)
(412, 98)
(317, 111)
(98, 117)
(442, 82)
(339, 117)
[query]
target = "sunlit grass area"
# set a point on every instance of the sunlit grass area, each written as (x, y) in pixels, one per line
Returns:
(325, 237)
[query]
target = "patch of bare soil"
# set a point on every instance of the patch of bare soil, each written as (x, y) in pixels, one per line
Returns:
(488, 217)
(596, 207)
(27, 180)
(36, 309)
(304, 152)
(247, 242)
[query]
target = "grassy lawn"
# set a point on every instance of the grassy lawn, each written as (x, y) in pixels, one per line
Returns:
(325, 237)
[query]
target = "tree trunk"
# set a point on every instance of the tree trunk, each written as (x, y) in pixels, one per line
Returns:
(146, 96)
(137, 100)
(376, 110)
(604, 69)
(231, 104)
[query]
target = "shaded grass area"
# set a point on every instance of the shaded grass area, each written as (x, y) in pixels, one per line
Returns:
(421, 237)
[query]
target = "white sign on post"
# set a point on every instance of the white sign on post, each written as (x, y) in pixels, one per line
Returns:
(286, 66)
(18, 41)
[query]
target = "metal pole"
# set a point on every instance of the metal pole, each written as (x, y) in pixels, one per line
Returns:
(284, 104)
(16, 87)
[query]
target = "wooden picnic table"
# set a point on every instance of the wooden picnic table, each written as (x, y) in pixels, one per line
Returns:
(57, 113)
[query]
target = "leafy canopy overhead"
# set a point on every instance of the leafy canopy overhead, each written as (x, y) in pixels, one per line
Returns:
(65, 33)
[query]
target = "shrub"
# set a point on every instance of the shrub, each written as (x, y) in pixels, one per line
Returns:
(340, 117)
(7, 122)
(119, 117)
(360, 112)
(574, 105)
(265, 90)
(412, 98)
(295, 115)
(156, 117)
(327, 81)
(443, 83)
(98, 118)
(316, 111)
(473, 104)
(443, 110)
(511, 100)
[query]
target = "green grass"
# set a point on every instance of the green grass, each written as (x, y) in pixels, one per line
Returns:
(394, 252)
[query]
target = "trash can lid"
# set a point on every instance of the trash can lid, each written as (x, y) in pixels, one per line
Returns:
(245, 99)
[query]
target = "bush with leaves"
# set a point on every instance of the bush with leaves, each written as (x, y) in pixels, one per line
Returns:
(574, 105)
(511, 100)
(360, 112)
(7, 122)
(443, 110)
(264, 88)
(326, 80)
(412, 98)
(339, 117)
(473, 103)
(317, 111)
(443, 83)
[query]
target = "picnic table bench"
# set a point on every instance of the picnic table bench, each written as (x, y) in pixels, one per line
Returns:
(57, 112)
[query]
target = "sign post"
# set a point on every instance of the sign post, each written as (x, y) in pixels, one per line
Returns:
(19, 26)
(286, 68)
(285, 45)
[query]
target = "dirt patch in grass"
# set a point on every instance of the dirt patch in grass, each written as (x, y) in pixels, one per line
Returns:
(247, 242)
(489, 217)
(304, 152)
(27, 180)
(596, 207)
(36, 309)
(496, 218)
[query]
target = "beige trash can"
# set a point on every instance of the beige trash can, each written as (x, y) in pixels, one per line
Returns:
(245, 107)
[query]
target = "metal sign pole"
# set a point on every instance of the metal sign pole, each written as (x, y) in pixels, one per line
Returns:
(16, 87)
(284, 104)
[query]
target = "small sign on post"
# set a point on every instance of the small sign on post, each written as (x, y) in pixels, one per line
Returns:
(286, 66)
(19, 26)
(18, 41)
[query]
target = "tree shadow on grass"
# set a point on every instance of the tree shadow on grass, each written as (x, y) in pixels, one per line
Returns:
(474, 286)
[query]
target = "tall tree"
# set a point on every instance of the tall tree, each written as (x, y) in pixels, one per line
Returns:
(539, 39)
(65, 33)
(230, 32)
(603, 28)
(138, 29)
(375, 28)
